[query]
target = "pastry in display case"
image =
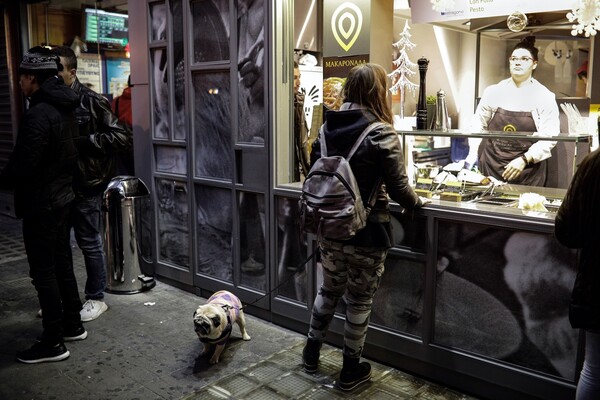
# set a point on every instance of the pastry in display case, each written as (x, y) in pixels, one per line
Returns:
(454, 183)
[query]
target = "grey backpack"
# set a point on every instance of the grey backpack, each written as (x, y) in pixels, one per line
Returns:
(330, 205)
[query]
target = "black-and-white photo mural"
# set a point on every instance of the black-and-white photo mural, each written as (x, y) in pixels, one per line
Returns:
(179, 131)
(172, 160)
(291, 251)
(499, 293)
(214, 232)
(212, 125)
(163, 128)
(160, 76)
(173, 225)
(252, 239)
(251, 71)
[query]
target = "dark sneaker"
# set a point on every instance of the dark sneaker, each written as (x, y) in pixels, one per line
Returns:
(310, 356)
(351, 378)
(41, 352)
(73, 335)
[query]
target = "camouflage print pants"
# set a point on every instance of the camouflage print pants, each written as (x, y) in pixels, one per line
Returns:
(354, 272)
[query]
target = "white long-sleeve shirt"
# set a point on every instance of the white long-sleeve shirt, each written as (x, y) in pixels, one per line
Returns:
(532, 97)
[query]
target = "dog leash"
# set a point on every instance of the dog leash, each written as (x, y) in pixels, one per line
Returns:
(280, 283)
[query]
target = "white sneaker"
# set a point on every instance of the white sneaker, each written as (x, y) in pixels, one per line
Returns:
(92, 309)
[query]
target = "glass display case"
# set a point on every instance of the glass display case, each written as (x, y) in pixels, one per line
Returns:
(435, 164)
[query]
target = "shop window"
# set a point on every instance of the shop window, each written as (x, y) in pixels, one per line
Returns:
(172, 224)
(214, 232)
(252, 239)
(212, 125)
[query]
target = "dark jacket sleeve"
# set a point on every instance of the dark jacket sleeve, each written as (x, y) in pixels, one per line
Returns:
(394, 171)
(110, 134)
(27, 154)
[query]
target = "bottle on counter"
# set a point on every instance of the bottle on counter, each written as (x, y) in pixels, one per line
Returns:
(440, 122)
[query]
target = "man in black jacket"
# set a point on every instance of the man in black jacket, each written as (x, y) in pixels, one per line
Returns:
(102, 138)
(40, 171)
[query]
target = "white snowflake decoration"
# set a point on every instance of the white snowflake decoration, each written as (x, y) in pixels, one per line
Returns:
(587, 15)
(442, 5)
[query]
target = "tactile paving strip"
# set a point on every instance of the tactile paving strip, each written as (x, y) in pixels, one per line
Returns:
(281, 376)
(11, 248)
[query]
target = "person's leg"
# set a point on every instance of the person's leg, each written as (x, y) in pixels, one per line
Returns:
(332, 288)
(334, 285)
(86, 221)
(588, 386)
(40, 236)
(365, 268)
(67, 282)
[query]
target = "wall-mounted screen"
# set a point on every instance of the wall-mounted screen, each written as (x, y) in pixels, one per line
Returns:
(106, 27)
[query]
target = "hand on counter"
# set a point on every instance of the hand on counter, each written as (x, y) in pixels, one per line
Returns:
(424, 200)
(514, 169)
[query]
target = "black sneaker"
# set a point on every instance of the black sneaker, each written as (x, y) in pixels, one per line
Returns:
(41, 352)
(73, 335)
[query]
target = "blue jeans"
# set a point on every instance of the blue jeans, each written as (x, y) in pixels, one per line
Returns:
(588, 387)
(86, 220)
(46, 238)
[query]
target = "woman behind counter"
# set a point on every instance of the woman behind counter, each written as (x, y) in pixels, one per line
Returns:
(517, 104)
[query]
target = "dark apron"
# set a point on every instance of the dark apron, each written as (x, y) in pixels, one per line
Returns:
(495, 154)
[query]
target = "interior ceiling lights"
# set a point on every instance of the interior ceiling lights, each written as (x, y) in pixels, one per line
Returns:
(587, 15)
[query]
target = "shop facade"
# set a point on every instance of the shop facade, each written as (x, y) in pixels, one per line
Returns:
(474, 296)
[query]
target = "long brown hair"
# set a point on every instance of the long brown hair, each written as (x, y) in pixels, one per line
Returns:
(366, 85)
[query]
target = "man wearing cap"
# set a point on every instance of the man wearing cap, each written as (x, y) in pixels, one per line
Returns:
(102, 137)
(40, 171)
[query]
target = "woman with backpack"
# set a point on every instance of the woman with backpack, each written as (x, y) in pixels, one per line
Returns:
(354, 267)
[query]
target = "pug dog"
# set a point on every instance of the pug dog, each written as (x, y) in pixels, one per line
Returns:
(213, 322)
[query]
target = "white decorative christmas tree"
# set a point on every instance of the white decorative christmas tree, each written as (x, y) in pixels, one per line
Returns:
(404, 68)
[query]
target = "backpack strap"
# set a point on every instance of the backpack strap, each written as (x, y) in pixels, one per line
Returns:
(362, 137)
(322, 141)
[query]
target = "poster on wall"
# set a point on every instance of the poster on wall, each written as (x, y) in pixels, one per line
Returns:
(335, 72)
(89, 71)
(117, 73)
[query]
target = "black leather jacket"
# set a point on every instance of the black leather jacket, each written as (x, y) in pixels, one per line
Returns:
(577, 226)
(42, 164)
(101, 138)
(378, 158)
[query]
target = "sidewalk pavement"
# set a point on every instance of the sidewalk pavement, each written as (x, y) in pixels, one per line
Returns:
(144, 347)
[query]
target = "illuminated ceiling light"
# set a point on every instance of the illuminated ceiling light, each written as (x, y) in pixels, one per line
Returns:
(442, 5)
(587, 15)
(308, 16)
